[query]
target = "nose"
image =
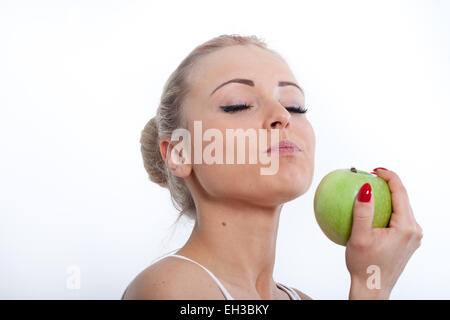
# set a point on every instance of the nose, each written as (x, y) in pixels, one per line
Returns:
(278, 118)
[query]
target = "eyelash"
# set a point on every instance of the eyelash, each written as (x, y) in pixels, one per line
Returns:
(240, 107)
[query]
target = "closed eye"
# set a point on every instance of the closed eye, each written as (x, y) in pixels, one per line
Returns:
(236, 107)
(239, 107)
(297, 109)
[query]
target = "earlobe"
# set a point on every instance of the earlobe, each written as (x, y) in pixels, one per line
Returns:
(180, 169)
(183, 170)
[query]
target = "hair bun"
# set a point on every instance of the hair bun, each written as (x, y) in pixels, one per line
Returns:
(153, 161)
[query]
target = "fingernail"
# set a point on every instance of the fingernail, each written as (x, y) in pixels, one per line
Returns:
(379, 168)
(365, 193)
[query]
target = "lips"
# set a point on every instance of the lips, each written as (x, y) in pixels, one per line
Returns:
(283, 147)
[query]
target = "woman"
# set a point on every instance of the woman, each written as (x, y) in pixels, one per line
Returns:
(231, 251)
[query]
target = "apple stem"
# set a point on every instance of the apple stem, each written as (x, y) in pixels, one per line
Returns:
(352, 169)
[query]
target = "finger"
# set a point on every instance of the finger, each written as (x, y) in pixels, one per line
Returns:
(363, 209)
(399, 195)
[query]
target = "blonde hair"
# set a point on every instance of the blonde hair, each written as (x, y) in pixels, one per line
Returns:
(168, 118)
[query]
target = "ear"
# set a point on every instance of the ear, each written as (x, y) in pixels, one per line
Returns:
(174, 158)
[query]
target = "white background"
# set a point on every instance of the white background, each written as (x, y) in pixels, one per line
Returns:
(79, 80)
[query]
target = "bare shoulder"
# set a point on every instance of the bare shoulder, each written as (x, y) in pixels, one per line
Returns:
(302, 295)
(173, 279)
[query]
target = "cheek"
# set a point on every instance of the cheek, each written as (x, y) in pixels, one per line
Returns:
(311, 149)
(312, 140)
(308, 136)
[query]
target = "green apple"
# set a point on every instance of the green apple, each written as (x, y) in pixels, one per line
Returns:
(335, 196)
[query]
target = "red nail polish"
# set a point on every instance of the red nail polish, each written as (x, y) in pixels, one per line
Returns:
(365, 193)
(379, 168)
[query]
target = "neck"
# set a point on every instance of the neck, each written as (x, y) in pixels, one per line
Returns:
(238, 241)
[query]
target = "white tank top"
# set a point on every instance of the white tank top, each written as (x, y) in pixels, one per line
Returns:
(291, 292)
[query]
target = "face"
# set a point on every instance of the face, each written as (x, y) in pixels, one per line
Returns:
(269, 109)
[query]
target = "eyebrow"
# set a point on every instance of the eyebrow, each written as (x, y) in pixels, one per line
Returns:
(252, 84)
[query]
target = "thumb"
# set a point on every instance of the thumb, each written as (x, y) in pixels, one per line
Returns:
(363, 208)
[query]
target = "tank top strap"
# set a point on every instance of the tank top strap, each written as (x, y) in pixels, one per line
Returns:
(291, 292)
(222, 288)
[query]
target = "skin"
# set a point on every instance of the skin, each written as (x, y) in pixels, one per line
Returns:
(238, 209)
(387, 248)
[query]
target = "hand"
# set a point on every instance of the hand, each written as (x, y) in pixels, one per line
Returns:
(383, 250)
